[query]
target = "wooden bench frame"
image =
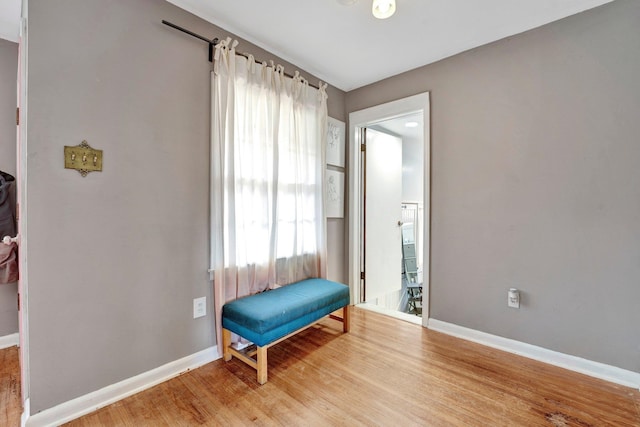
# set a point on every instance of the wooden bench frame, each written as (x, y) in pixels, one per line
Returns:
(257, 357)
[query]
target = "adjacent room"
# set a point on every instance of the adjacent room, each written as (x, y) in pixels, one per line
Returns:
(438, 202)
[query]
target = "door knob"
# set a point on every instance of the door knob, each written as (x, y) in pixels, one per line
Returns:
(7, 240)
(400, 223)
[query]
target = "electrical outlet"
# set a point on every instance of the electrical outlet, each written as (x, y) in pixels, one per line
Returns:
(513, 298)
(199, 307)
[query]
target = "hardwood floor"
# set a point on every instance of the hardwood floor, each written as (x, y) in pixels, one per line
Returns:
(384, 372)
(10, 406)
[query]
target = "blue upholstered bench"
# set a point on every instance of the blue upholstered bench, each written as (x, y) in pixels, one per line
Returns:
(272, 316)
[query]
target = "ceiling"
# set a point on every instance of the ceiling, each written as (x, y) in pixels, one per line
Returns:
(345, 46)
(10, 19)
(398, 126)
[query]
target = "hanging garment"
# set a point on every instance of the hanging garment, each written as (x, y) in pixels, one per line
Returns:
(7, 176)
(7, 217)
(8, 253)
(8, 263)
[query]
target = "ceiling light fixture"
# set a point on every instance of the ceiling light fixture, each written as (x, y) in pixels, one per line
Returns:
(383, 9)
(411, 124)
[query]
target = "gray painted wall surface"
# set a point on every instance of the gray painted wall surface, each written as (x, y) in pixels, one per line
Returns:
(535, 183)
(8, 74)
(8, 309)
(116, 258)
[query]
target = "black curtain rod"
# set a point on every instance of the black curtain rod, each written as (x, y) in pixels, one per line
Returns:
(213, 42)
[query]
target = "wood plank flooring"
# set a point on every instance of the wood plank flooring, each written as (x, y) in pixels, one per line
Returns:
(10, 406)
(385, 372)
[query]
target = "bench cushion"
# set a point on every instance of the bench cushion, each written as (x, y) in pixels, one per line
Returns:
(268, 316)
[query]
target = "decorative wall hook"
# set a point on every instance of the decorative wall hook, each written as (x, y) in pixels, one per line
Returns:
(83, 158)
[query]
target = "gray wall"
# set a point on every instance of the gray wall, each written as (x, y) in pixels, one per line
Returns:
(116, 258)
(535, 183)
(8, 74)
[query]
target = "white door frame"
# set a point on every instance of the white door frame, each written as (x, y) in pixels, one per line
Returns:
(23, 287)
(363, 118)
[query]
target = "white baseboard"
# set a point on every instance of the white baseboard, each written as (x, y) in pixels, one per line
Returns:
(25, 413)
(88, 403)
(9, 340)
(573, 363)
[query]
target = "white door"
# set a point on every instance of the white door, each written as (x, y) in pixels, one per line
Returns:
(383, 200)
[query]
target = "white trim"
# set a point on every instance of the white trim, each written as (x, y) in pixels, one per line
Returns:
(362, 118)
(26, 410)
(562, 360)
(93, 401)
(21, 194)
(9, 340)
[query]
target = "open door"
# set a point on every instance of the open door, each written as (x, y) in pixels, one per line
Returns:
(382, 218)
(359, 238)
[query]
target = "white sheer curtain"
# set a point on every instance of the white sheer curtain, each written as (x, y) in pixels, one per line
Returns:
(267, 155)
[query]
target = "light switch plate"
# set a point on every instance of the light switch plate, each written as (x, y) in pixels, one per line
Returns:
(199, 307)
(83, 158)
(513, 298)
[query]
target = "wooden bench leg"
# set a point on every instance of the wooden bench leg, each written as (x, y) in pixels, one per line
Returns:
(261, 358)
(345, 318)
(226, 342)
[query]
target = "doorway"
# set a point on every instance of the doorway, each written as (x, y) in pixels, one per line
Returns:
(11, 253)
(389, 228)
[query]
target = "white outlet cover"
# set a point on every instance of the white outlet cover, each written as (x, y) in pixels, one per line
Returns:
(199, 307)
(513, 298)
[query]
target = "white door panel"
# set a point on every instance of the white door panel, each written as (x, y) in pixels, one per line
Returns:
(383, 254)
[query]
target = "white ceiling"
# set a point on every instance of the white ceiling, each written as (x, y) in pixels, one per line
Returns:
(398, 126)
(345, 46)
(10, 19)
